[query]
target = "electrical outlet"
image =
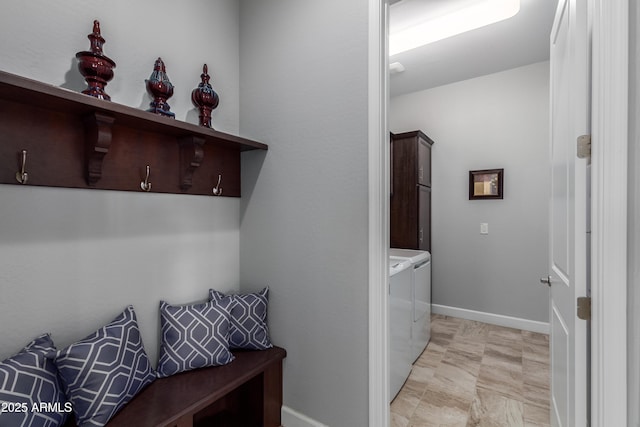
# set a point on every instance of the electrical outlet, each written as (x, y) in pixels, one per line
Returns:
(484, 228)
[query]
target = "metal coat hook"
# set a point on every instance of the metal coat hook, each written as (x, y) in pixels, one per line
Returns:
(217, 190)
(22, 176)
(146, 185)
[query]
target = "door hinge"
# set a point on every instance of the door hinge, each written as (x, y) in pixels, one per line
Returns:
(584, 147)
(584, 308)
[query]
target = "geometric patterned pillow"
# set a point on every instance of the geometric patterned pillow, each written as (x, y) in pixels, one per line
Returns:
(105, 370)
(249, 328)
(194, 336)
(29, 379)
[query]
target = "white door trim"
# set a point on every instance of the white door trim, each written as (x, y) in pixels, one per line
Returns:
(609, 213)
(379, 414)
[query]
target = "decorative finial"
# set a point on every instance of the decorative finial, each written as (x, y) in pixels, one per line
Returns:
(96, 38)
(161, 89)
(205, 74)
(95, 67)
(205, 98)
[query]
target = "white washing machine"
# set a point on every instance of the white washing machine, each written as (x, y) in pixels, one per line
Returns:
(420, 297)
(400, 321)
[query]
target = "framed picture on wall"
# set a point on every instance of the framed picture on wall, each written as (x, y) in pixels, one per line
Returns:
(486, 184)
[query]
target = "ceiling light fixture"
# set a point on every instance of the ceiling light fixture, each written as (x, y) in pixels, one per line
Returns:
(478, 14)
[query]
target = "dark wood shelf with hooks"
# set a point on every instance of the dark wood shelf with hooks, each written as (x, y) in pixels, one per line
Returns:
(76, 141)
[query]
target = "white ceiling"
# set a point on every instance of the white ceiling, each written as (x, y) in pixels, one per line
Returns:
(520, 40)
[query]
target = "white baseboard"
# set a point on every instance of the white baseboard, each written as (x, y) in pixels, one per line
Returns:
(494, 319)
(291, 418)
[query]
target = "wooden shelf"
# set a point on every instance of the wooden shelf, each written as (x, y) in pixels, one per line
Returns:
(77, 141)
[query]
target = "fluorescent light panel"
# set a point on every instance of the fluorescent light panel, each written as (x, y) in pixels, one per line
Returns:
(476, 15)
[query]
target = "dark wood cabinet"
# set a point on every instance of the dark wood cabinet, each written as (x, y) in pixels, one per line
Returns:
(424, 218)
(411, 191)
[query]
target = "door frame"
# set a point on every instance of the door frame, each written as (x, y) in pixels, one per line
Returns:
(378, 175)
(609, 134)
(610, 58)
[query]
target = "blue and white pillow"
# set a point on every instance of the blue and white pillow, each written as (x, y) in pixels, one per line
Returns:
(104, 371)
(28, 379)
(249, 328)
(194, 336)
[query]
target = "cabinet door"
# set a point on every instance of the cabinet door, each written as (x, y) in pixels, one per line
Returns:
(424, 218)
(424, 162)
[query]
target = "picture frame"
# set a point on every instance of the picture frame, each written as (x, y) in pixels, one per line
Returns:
(486, 184)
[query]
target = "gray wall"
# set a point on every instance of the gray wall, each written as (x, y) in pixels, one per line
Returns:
(304, 209)
(633, 307)
(71, 260)
(495, 121)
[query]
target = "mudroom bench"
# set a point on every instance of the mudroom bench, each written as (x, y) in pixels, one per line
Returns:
(246, 392)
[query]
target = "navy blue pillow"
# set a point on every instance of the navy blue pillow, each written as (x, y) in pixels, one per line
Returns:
(194, 336)
(28, 379)
(249, 329)
(105, 370)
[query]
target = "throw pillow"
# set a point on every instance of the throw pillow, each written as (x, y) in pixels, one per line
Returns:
(105, 370)
(30, 391)
(249, 329)
(194, 336)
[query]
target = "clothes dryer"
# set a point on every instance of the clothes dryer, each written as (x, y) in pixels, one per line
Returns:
(420, 296)
(400, 321)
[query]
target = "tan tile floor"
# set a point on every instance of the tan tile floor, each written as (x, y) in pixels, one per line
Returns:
(475, 374)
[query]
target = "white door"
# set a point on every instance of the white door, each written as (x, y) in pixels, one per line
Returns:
(570, 83)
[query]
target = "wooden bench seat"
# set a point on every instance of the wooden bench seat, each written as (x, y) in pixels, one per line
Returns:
(246, 392)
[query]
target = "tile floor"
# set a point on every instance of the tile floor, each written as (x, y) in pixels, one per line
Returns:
(476, 374)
